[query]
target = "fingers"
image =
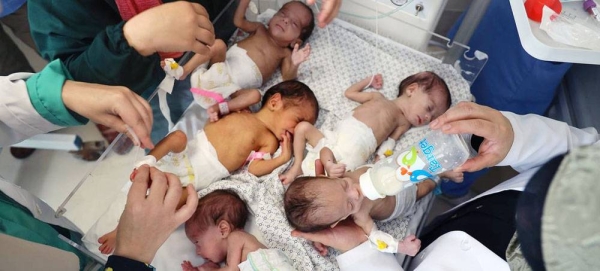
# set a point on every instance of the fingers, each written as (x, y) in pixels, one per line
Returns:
(328, 12)
(322, 249)
(306, 235)
(463, 111)
(478, 162)
(319, 168)
(480, 127)
(140, 184)
(159, 186)
(296, 46)
(138, 116)
(173, 192)
(187, 210)
(204, 21)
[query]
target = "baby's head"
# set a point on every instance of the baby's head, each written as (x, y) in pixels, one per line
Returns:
(218, 214)
(429, 96)
(293, 23)
(317, 203)
(292, 102)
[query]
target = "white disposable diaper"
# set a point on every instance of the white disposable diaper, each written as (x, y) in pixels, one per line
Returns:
(224, 78)
(351, 143)
(198, 164)
(266, 260)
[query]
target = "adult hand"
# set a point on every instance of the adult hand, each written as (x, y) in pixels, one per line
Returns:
(344, 236)
(172, 27)
(471, 118)
(147, 221)
(329, 9)
(111, 106)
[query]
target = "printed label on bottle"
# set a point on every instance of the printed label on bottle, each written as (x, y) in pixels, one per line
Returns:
(412, 168)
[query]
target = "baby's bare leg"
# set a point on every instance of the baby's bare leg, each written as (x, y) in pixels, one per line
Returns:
(217, 54)
(241, 100)
(173, 142)
(218, 51)
(303, 133)
(332, 167)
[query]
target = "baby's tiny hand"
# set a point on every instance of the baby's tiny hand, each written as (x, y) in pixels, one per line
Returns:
(410, 245)
(321, 249)
(187, 266)
(456, 177)
(286, 146)
(335, 170)
(299, 56)
(377, 81)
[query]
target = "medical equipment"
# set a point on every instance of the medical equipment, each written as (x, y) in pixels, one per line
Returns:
(591, 7)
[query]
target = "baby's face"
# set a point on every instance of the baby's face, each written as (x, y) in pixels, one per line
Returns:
(339, 198)
(209, 244)
(291, 115)
(287, 24)
(425, 107)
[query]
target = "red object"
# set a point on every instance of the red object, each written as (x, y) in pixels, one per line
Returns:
(130, 8)
(534, 8)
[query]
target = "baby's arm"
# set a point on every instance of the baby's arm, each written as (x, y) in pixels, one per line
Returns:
(263, 167)
(332, 167)
(290, 64)
(239, 18)
(425, 187)
(355, 93)
(240, 100)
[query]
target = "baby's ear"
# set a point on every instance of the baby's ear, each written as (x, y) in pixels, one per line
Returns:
(334, 224)
(275, 102)
(225, 228)
(410, 89)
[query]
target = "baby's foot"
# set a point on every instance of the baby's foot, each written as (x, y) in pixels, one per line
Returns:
(410, 245)
(289, 176)
(213, 113)
(108, 242)
(334, 170)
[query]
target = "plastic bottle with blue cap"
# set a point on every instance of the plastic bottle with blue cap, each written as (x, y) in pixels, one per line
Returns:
(435, 153)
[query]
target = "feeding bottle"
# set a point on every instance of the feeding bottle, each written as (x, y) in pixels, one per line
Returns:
(435, 153)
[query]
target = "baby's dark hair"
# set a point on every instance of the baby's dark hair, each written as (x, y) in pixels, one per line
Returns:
(216, 206)
(300, 204)
(307, 30)
(429, 81)
(293, 92)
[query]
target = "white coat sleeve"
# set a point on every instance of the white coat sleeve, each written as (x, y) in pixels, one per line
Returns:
(18, 118)
(538, 139)
(363, 257)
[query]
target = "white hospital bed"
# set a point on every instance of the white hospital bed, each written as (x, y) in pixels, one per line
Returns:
(341, 54)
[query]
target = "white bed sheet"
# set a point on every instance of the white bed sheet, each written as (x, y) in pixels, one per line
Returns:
(340, 55)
